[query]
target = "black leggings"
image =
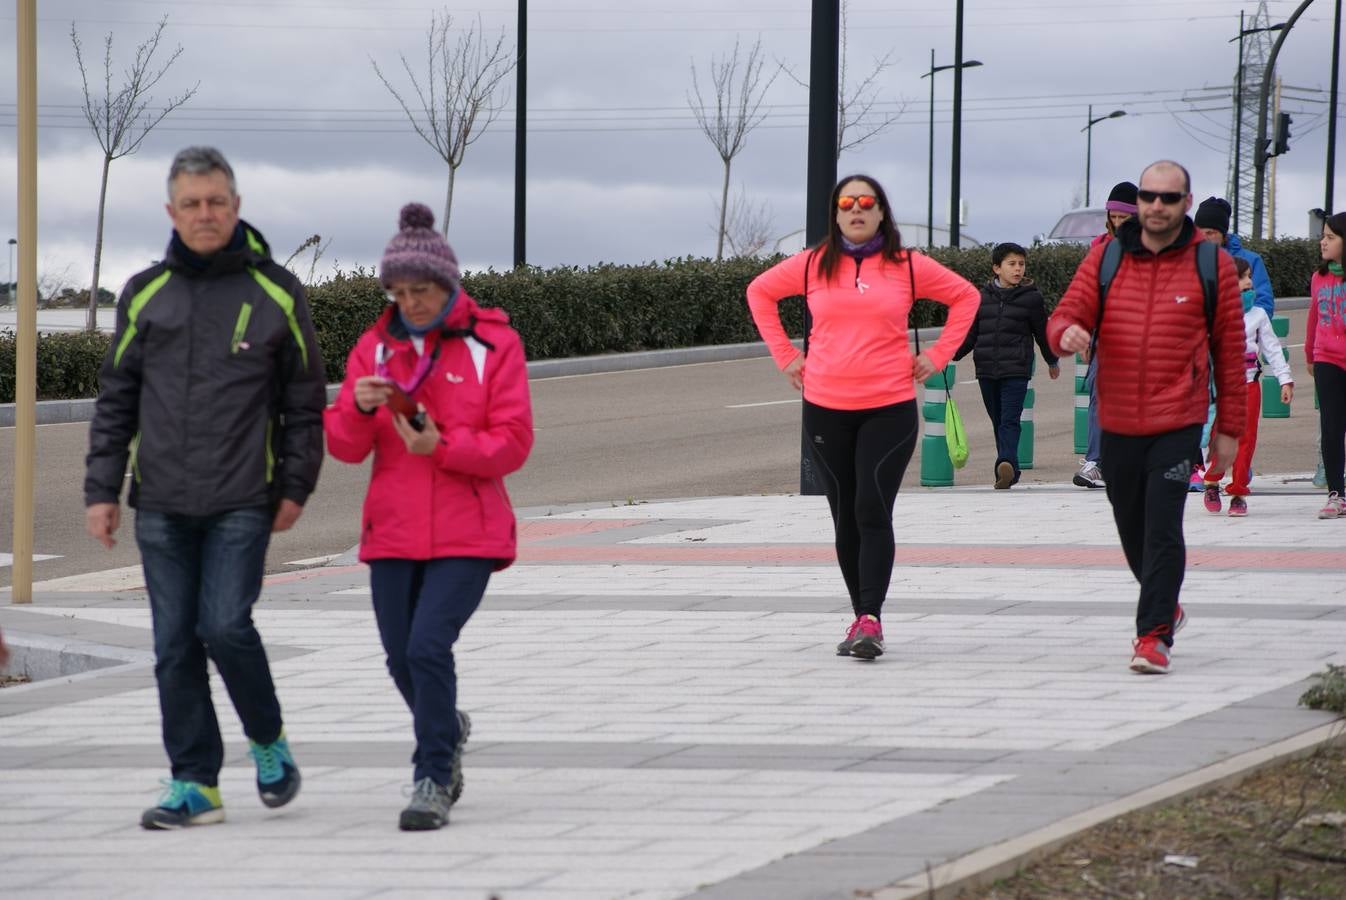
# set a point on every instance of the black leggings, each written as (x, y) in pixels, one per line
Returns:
(862, 455)
(1331, 382)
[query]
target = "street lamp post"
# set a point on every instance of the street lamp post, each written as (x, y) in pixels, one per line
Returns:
(1332, 109)
(9, 285)
(1260, 155)
(1089, 143)
(1238, 109)
(930, 155)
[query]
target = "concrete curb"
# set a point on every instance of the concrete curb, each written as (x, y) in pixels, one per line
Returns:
(979, 869)
(62, 412)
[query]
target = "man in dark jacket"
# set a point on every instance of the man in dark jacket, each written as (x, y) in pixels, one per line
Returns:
(1154, 348)
(1011, 317)
(213, 391)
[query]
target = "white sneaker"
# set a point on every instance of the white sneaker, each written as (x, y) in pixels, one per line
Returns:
(1089, 476)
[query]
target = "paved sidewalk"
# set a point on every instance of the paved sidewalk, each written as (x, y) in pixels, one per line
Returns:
(658, 713)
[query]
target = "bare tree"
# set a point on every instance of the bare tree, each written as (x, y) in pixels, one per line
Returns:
(855, 107)
(736, 112)
(459, 99)
(121, 119)
(318, 246)
(748, 226)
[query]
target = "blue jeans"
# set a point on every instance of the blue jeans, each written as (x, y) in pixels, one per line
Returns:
(1004, 399)
(204, 573)
(1095, 449)
(421, 608)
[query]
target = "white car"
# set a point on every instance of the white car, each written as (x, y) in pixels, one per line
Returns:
(1079, 226)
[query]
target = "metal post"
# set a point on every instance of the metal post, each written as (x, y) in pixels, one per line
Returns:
(25, 364)
(1332, 111)
(1260, 151)
(955, 178)
(824, 60)
(1088, 152)
(1238, 127)
(930, 175)
(521, 137)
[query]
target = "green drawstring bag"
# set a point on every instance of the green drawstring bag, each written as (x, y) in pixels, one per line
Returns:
(954, 435)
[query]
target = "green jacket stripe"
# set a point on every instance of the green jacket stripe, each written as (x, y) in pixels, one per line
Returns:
(133, 308)
(286, 303)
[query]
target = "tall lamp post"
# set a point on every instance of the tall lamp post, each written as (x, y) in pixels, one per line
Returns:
(1332, 110)
(1088, 130)
(1238, 109)
(930, 175)
(1260, 155)
(9, 285)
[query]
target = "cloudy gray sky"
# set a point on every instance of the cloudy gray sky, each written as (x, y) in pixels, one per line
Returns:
(617, 168)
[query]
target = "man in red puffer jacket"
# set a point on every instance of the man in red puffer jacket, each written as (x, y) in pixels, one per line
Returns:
(1153, 348)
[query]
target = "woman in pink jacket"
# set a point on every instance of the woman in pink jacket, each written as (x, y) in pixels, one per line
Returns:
(1325, 350)
(859, 397)
(437, 389)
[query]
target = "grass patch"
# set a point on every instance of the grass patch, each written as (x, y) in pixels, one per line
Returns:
(1281, 833)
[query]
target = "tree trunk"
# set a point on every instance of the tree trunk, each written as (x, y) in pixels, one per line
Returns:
(724, 210)
(92, 324)
(448, 200)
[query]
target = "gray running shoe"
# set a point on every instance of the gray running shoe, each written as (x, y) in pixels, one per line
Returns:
(429, 807)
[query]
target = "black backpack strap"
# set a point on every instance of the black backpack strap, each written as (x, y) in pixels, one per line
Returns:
(1208, 269)
(1107, 271)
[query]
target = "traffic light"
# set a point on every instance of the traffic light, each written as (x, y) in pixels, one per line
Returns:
(1281, 143)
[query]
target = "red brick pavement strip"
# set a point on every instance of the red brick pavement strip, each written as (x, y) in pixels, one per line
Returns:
(1043, 556)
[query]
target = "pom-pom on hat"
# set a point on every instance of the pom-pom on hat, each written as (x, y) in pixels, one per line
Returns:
(1213, 213)
(1122, 198)
(419, 253)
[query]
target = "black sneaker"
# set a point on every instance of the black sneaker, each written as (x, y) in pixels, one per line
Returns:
(456, 773)
(277, 775)
(429, 807)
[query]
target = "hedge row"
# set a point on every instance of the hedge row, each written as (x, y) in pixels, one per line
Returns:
(569, 311)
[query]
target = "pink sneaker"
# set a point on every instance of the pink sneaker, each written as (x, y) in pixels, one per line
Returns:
(1212, 498)
(1335, 508)
(1238, 507)
(844, 648)
(868, 642)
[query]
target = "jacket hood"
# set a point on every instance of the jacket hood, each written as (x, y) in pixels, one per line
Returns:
(246, 249)
(1232, 243)
(1129, 236)
(1008, 293)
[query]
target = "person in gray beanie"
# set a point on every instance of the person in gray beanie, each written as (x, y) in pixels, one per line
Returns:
(437, 390)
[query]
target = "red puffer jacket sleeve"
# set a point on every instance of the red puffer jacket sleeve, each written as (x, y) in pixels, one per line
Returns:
(350, 433)
(502, 446)
(1079, 304)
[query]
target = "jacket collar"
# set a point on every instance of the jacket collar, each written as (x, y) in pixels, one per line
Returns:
(246, 249)
(1129, 236)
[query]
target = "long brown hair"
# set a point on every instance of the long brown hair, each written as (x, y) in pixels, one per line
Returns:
(831, 248)
(1337, 225)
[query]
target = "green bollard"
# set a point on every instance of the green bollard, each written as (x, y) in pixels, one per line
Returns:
(1026, 422)
(1272, 407)
(1081, 406)
(936, 467)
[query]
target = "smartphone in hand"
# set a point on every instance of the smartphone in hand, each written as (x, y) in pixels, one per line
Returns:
(399, 402)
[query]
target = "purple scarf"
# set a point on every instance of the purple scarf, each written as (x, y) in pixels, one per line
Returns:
(868, 248)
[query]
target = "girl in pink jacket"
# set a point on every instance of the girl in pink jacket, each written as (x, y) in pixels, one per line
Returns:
(437, 389)
(1325, 350)
(859, 397)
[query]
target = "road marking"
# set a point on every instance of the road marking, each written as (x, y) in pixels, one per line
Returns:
(314, 561)
(124, 579)
(7, 559)
(765, 403)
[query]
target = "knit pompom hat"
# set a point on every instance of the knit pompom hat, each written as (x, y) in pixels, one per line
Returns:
(1214, 212)
(419, 253)
(1122, 198)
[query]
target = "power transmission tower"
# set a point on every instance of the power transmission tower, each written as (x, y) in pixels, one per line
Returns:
(1255, 42)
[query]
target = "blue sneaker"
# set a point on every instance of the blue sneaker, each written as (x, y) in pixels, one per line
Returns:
(184, 803)
(277, 775)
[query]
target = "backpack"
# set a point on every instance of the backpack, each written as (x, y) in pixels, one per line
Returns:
(1207, 269)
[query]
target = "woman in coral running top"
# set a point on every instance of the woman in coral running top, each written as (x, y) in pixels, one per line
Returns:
(858, 379)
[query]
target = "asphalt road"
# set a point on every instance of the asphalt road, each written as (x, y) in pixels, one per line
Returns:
(727, 428)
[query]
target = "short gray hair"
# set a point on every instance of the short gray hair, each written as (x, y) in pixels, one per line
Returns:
(200, 161)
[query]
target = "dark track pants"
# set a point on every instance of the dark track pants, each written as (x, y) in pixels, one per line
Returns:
(1147, 479)
(862, 455)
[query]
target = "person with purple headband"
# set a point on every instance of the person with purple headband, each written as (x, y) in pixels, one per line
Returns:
(1121, 206)
(437, 390)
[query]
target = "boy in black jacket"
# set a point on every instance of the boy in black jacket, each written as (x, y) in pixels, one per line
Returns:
(1011, 317)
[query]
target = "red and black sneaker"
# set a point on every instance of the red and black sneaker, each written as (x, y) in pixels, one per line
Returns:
(868, 641)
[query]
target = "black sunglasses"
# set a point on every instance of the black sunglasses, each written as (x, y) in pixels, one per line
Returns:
(1168, 198)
